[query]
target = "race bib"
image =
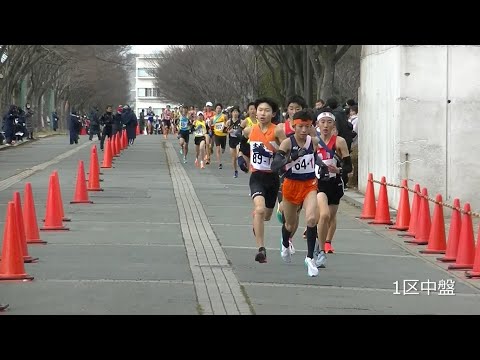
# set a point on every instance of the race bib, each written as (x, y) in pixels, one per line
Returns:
(304, 165)
(219, 126)
(199, 131)
(330, 162)
(260, 156)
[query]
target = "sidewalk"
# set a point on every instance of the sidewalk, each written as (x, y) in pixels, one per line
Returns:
(168, 238)
(38, 136)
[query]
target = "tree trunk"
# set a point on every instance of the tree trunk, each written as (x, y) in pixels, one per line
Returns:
(66, 115)
(307, 79)
(36, 108)
(327, 83)
(290, 88)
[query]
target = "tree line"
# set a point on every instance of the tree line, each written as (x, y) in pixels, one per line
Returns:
(62, 77)
(236, 74)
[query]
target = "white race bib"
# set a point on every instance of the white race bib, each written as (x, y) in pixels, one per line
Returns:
(260, 162)
(303, 165)
(219, 126)
(330, 162)
(199, 131)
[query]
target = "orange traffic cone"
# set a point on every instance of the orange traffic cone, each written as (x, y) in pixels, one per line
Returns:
(94, 160)
(424, 221)
(11, 266)
(122, 142)
(58, 192)
(453, 234)
(93, 179)
(125, 139)
(403, 213)
(53, 218)
(115, 152)
(81, 193)
(112, 144)
(369, 207)
(475, 272)
(107, 155)
(436, 239)
(414, 213)
(21, 228)
(382, 215)
(32, 233)
(119, 143)
(466, 243)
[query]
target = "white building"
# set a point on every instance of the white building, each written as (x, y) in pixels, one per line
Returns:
(146, 93)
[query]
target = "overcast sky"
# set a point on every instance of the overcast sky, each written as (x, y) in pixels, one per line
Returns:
(147, 49)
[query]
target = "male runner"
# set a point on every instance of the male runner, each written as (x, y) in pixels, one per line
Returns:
(333, 150)
(264, 183)
(294, 104)
(298, 153)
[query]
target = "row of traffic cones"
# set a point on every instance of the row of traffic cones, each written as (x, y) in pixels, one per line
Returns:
(21, 227)
(15, 249)
(459, 250)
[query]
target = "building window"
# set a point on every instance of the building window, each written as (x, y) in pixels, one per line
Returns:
(144, 72)
(148, 92)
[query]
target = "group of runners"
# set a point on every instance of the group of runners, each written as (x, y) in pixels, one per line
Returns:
(297, 163)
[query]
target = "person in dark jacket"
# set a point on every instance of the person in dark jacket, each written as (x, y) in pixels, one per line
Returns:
(94, 124)
(54, 121)
(9, 123)
(117, 119)
(106, 121)
(75, 125)
(141, 122)
(129, 119)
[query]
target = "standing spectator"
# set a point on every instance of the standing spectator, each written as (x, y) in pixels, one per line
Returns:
(29, 121)
(54, 120)
(74, 126)
(129, 120)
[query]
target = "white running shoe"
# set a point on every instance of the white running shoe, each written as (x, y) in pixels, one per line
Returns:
(292, 249)
(285, 253)
(321, 259)
(311, 268)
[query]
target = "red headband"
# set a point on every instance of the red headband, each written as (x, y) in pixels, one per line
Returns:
(302, 122)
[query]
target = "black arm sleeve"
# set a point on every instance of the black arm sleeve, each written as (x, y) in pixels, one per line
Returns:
(347, 165)
(279, 161)
(318, 161)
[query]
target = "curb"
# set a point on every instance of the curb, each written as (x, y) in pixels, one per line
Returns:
(352, 197)
(355, 198)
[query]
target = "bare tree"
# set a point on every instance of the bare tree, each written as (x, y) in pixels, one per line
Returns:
(328, 56)
(347, 74)
(194, 74)
(77, 75)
